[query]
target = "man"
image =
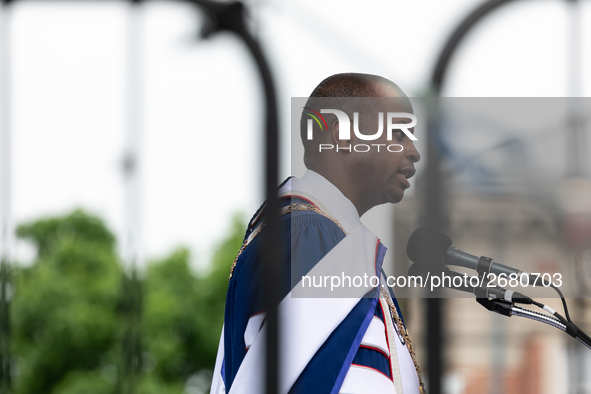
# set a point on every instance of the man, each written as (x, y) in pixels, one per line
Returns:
(353, 342)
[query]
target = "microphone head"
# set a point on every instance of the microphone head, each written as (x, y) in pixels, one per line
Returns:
(426, 247)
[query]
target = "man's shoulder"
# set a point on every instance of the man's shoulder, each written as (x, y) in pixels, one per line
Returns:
(296, 210)
(296, 215)
(306, 228)
(302, 213)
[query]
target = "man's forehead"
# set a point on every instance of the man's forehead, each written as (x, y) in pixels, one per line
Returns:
(395, 104)
(387, 89)
(392, 97)
(389, 100)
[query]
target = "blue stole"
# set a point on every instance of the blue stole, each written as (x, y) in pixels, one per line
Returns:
(308, 238)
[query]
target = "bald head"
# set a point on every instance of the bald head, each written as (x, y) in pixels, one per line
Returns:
(355, 85)
(338, 91)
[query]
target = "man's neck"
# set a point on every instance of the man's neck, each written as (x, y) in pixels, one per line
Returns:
(346, 186)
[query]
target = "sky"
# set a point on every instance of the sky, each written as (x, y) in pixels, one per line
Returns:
(201, 101)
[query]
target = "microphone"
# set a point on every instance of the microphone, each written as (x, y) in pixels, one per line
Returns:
(482, 264)
(441, 251)
(485, 291)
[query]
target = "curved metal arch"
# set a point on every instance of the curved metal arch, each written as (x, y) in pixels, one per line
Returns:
(452, 44)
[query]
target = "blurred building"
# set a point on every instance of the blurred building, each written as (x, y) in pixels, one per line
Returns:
(488, 352)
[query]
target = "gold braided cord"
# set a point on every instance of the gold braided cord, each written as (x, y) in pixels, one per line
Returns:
(407, 339)
(296, 206)
(246, 242)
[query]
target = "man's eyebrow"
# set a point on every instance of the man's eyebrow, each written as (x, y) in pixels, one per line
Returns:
(404, 118)
(412, 130)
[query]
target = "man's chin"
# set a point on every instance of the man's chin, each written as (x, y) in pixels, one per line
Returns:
(395, 196)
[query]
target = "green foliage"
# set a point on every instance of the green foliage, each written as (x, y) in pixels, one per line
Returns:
(184, 313)
(84, 382)
(64, 309)
(68, 317)
(212, 290)
(170, 310)
(77, 226)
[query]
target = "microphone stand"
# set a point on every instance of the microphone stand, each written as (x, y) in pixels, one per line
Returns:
(510, 309)
(502, 302)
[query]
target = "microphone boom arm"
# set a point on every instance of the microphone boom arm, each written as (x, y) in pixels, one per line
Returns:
(508, 309)
(542, 317)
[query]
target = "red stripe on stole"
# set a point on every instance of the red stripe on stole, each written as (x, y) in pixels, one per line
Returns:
(374, 348)
(373, 369)
(300, 197)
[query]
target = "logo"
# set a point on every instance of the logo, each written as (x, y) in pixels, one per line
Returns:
(311, 112)
(345, 129)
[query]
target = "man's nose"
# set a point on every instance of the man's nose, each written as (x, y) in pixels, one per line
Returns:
(413, 153)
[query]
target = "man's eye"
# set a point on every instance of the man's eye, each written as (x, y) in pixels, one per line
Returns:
(399, 134)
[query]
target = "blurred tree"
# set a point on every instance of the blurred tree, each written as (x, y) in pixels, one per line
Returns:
(184, 312)
(212, 292)
(67, 312)
(64, 308)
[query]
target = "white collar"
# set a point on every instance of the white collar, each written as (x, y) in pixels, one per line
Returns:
(340, 206)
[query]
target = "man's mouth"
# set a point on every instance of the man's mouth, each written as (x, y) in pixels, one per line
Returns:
(405, 174)
(408, 172)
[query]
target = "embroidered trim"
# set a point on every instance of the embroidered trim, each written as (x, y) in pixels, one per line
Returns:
(407, 340)
(296, 206)
(247, 241)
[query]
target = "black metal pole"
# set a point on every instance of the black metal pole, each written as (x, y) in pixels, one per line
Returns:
(230, 16)
(451, 45)
(271, 263)
(435, 215)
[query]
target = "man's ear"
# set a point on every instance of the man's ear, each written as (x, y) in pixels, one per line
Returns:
(334, 130)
